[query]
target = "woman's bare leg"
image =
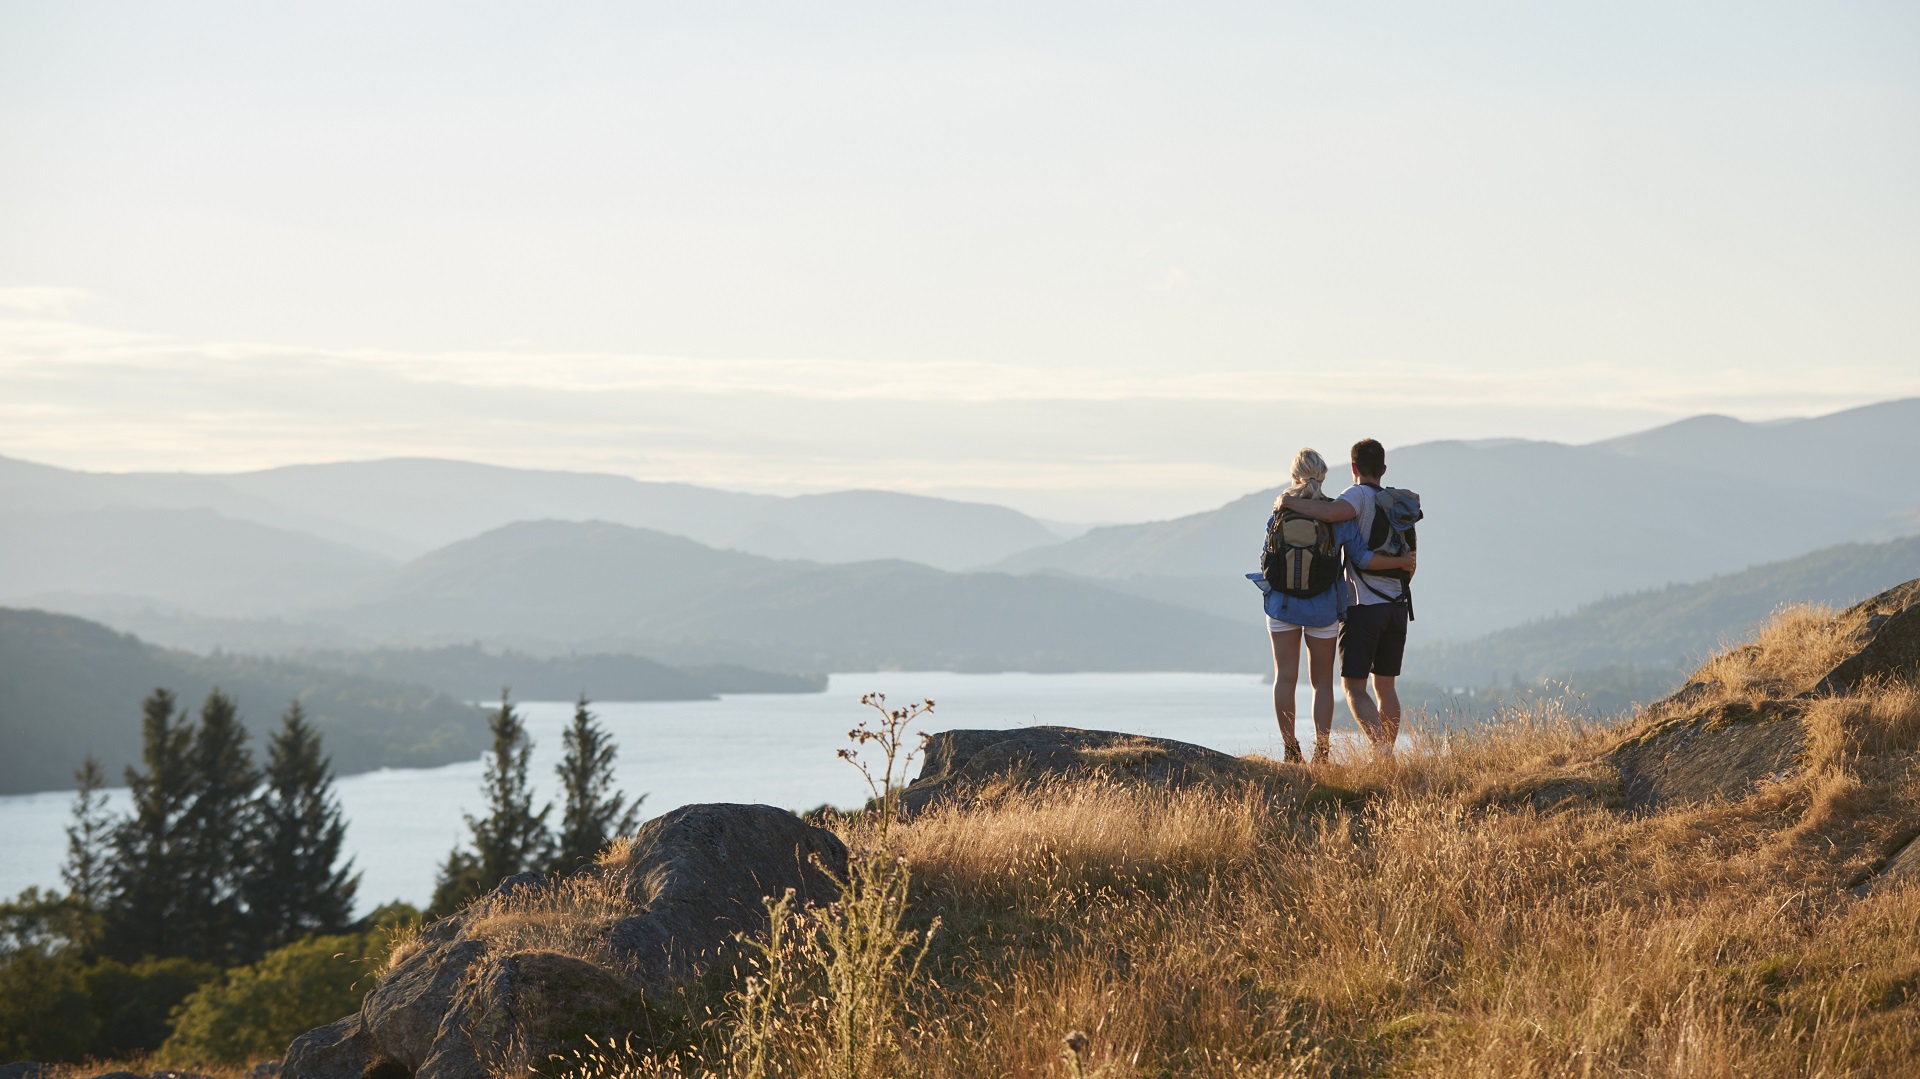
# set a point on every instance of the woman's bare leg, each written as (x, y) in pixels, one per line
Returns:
(1286, 676)
(1320, 670)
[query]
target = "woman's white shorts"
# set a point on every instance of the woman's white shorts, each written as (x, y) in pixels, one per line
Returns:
(1274, 625)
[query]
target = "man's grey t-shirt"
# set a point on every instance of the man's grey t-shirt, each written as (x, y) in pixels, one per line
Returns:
(1367, 587)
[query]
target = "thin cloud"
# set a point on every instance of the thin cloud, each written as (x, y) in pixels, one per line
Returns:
(39, 351)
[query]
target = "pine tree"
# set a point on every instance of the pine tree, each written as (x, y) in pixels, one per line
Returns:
(293, 888)
(595, 813)
(511, 838)
(215, 831)
(85, 873)
(144, 901)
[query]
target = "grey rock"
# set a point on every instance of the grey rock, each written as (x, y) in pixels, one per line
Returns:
(700, 876)
(1887, 643)
(960, 761)
(23, 1069)
(264, 1069)
(482, 993)
(339, 1050)
(1700, 753)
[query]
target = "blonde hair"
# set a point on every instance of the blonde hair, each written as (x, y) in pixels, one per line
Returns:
(1309, 469)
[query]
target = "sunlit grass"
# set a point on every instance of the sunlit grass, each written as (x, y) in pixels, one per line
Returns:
(1404, 919)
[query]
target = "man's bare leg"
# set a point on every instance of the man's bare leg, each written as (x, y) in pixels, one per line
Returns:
(1286, 678)
(1389, 706)
(1367, 716)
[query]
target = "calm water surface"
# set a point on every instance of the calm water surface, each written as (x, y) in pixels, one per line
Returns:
(772, 748)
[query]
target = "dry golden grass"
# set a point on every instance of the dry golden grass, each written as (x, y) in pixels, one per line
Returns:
(571, 916)
(1401, 919)
(1792, 651)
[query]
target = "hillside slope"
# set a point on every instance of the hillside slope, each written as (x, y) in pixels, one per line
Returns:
(1671, 627)
(551, 584)
(69, 687)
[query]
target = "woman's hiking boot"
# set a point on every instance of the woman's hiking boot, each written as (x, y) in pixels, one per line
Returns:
(1293, 754)
(1322, 751)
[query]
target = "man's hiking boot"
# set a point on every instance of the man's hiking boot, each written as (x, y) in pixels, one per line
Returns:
(1293, 754)
(1322, 752)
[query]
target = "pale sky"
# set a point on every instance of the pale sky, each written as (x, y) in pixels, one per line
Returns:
(1099, 262)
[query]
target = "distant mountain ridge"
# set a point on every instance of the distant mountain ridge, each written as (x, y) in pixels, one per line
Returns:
(1519, 530)
(400, 508)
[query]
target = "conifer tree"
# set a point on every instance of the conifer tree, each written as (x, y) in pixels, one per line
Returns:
(293, 888)
(511, 838)
(595, 812)
(144, 897)
(85, 873)
(215, 832)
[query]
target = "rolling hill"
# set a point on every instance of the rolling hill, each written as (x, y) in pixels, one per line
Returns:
(553, 585)
(196, 558)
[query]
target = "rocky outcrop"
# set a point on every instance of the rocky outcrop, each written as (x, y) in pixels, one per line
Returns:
(537, 964)
(1887, 643)
(1692, 747)
(961, 761)
(1711, 752)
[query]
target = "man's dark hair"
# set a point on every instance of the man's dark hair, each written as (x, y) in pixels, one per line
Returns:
(1370, 457)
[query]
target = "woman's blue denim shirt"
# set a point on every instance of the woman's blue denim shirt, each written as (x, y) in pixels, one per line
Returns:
(1327, 607)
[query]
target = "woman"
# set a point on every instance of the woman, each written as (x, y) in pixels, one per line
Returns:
(1314, 618)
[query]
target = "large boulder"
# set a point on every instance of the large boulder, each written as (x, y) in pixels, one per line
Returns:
(963, 761)
(537, 965)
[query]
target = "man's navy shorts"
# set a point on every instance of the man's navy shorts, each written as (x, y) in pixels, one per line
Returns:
(1373, 639)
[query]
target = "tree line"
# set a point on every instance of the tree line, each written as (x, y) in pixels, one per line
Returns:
(220, 864)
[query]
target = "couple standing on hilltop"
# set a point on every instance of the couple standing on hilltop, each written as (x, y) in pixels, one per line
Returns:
(1340, 568)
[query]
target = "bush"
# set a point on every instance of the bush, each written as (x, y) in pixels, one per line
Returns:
(254, 1011)
(44, 1011)
(132, 1001)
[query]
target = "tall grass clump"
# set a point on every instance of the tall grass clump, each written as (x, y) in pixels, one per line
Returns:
(827, 992)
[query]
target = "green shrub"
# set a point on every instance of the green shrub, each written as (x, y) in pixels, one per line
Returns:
(44, 1012)
(132, 1001)
(254, 1011)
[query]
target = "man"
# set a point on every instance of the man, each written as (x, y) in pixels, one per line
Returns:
(1374, 636)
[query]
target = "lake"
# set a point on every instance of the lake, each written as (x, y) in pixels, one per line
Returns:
(772, 748)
